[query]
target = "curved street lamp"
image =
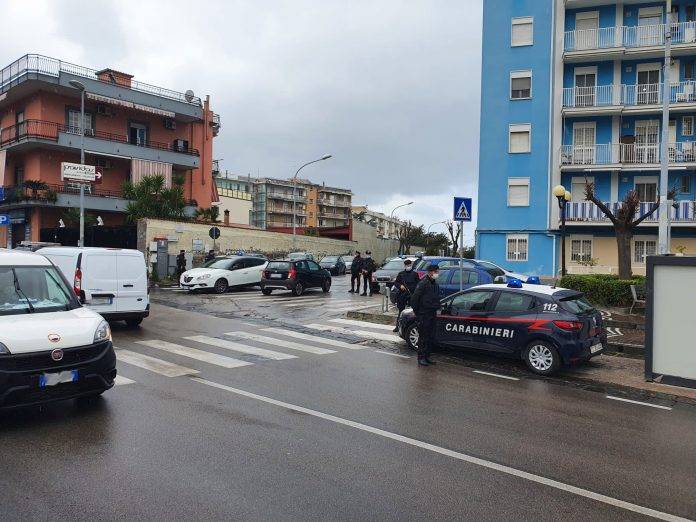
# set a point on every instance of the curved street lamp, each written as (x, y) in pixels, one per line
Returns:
(294, 201)
(399, 206)
(563, 196)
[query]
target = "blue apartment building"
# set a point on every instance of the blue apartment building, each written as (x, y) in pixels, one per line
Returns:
(572, 91)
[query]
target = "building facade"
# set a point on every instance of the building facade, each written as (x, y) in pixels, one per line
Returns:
(131, 130)
(235, 195)
(572, 92)
(387, 227)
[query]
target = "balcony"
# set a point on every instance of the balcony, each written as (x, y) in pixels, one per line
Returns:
(575, 157)
(591, 97)
(334, 203)
(586, 212)
(286, 196)
(286, 210)
(65, 196)
(644, 97)
(284, 224)
(333, 215)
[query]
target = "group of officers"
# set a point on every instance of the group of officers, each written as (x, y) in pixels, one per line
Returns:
(361, 269)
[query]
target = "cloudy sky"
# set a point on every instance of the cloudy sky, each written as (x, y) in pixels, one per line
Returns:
(390, 88)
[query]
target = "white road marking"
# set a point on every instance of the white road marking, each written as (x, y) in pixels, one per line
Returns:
(358, 333)
(393, 354)
(315, 338)
(508, 470)
(639, 402)
(241, 348)
(153, 364)
(192, 353)
(120, 380)
(320, 301)
(281, 342)
(497, 375)
(365, 324)
(613, 331)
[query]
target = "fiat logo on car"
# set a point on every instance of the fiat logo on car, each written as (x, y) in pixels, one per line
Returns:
(57, 355)
(54, 338)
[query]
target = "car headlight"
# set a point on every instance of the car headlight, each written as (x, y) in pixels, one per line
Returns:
(4, 350)
(204, 276)
(103, 332)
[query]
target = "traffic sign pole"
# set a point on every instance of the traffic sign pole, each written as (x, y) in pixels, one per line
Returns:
(462, 212)
(461, 256)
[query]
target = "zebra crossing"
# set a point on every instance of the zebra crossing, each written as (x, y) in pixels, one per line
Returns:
(241, 348)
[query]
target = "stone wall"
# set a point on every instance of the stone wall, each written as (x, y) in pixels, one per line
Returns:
(366, 238)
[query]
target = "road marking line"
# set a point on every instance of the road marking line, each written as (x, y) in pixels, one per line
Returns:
(497, 375)
(153, 364)
(639, 402)
(359, 333)
(120, 380)
(393, 354)
(315, 338)
(241, 348)
(539, 479)
(365, 324)
(317, 301)
(192, 353)
(281, 342)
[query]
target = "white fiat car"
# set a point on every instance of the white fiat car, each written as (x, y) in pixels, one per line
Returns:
(51, 347)
(223, 273)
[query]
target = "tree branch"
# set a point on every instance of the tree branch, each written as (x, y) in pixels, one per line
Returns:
(590, 196)
(670, 196)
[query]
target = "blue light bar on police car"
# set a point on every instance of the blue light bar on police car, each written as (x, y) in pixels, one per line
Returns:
(533, 280)
(514, 283)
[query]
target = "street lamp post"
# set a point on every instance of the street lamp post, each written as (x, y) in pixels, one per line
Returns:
(427, 239)
(81, 87)
(563, 196)
(294, 201)
(402, 205)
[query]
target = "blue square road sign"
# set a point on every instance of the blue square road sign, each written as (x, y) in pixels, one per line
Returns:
(4, 219)
(462, 209)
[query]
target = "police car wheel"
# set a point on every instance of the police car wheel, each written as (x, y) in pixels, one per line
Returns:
(412, 336)
(542, 358)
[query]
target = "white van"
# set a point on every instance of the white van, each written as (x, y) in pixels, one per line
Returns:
(51, 347)
(110, 281)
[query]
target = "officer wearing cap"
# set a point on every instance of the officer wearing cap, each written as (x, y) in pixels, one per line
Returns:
(405, 284)
(425, 302)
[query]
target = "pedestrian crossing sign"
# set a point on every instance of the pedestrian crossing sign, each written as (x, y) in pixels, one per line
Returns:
(462, 209)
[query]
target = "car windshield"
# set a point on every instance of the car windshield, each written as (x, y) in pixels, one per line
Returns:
(220, 262)
(33, 289)
(394, 264)
(577, 304)
(278, 265)
(329, 259)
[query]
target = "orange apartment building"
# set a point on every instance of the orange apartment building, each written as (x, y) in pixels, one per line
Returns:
(132, 130)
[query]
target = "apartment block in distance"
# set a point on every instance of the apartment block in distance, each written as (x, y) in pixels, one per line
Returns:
(235, 197)
(387, 227)
(132, 130)
(572, 91)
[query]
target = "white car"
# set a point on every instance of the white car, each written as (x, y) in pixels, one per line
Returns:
(223, 273)
(492, 266)
(51, 347)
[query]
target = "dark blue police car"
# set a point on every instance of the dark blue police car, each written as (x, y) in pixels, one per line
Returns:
(545, 326)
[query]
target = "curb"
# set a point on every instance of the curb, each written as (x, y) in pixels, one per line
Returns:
(371, 317)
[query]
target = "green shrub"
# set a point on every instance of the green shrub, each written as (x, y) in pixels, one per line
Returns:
(603, 289)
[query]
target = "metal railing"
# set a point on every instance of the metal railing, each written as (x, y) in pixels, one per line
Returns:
(285, 195)
(631, 153)
(40, 129)
(39, 64)
(584, 39)
(333, 215)
(586, 211)
(628, 36)
(595, 96)
(629, 95)
(271, 209)
(333, 202)
(17, 193)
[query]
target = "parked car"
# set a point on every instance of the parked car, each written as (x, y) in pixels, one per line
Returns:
(545, 326)
(33, 246)
(296, 276)
(334, 264)
(421, 266)
(387, 273)
(296, 256)
(499, 270)
(471, 276)
(51, 347)
(110, 281)
(222, 273)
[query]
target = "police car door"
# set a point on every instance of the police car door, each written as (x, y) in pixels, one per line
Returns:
(512, 314)
(463, 316)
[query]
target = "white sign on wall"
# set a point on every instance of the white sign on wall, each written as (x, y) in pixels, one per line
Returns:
(78, 172)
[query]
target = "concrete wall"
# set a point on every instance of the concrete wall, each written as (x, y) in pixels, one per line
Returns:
(239, 209)
(366, 238)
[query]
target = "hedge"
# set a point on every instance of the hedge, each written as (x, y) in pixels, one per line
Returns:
(603, 289)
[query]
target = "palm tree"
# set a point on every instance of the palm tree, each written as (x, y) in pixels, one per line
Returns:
(150, 198)
(209, 215)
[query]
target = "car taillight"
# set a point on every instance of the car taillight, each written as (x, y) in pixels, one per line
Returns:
(569, 325)
(293, 273)
(77, 283)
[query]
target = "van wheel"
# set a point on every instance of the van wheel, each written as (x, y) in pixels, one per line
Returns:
(412, 336)
(134, 323)
(542, 358)
(326, 286)
(221, 286)
(298, 290)
(266, 291)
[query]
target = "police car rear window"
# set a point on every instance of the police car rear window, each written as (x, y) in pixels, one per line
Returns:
(577, 305)
(514, 302)
(278, 265)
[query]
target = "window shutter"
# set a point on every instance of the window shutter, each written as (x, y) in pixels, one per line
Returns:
(518, 192)
(522, 32)
(519, 141)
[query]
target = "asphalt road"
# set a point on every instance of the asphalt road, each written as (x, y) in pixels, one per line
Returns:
(212, 419)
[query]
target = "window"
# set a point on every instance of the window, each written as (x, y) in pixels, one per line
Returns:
(137, 134)
(74, 122)
(522, 31)
(520, 85)
(685, 184)
(518, 192)
(646, 190)
(470, 277)
(688, 126)
(313, 266)
(517, 247)
(580, 249)
(470, 302)
(642, 248)
(19, 175)
(514, 302)
(520, 138)
(689, 70)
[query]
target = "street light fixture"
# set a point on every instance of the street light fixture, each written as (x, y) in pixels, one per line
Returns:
(294, 201)
(399, 206)
(563, 196)
(81, 87)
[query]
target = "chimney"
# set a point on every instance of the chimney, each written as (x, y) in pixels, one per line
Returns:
(227, 217)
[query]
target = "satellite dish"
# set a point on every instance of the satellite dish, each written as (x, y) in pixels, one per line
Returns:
(189, 95)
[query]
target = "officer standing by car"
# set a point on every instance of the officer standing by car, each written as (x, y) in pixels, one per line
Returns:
(180, 263)
(405, 284)
(368, 268)
(355, 270)
(210, 256)
(425, 302)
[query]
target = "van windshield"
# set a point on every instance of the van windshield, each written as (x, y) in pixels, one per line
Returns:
(33, 289)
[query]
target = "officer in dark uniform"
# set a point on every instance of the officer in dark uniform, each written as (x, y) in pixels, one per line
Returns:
(210, 256)
(181, 263)
(355, 269)
(368, 268)
(405, 284)
(425, 302)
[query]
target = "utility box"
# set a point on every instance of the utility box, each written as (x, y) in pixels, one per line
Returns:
(670, 325)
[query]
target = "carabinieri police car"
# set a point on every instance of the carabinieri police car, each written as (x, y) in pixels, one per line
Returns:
(544, 325)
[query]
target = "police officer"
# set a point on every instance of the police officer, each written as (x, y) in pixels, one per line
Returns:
(210, 255)
(368, 268)
(181, 263)
(425, 302)
(355, 269)
(405, 284)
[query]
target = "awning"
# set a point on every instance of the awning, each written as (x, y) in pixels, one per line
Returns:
(143, 168)
(129, 105)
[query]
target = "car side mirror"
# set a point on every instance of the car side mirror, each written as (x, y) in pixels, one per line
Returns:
(499, 279)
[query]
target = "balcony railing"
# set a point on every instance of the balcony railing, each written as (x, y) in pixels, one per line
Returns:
(39, 129)
(286, 195)
(286, 210)
(628, 36)
(38, 64)
(333, 215)
(628, 95)
(49, 192)
(287, 224)
(334, 202)
(628, 153)
(595, 96)
(586, 211)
